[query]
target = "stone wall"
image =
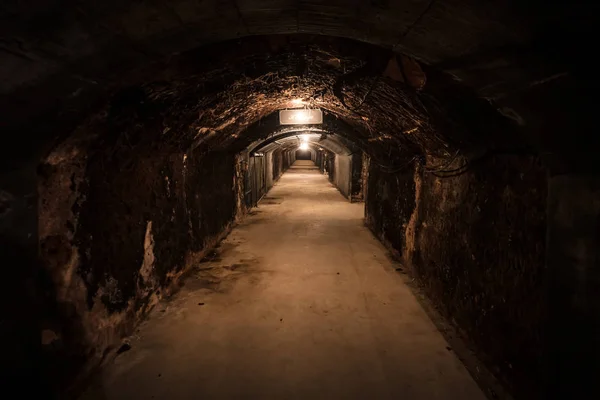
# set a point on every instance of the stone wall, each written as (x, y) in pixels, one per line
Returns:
(476, 244)
(118, 229)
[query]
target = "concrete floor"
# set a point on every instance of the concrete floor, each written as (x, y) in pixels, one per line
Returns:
(301, 302)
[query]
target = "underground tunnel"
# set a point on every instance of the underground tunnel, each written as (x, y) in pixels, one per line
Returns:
(312, 199)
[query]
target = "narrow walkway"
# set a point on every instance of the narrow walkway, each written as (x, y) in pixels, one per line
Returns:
(301, 302)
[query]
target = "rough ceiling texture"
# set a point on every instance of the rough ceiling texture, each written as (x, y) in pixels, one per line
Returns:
(226, 96)
(64, 57)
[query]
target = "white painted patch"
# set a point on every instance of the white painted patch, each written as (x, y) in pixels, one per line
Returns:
(148, 264)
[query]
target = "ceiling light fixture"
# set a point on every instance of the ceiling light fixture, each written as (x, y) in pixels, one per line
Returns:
(301, 116)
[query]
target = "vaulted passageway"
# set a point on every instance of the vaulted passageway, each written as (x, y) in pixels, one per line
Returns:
(139, 134)
(299, 301)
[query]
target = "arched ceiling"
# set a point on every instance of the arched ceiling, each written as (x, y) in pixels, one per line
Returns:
(225, 96)
(183, 66)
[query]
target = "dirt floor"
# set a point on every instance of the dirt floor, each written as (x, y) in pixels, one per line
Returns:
(299, 302)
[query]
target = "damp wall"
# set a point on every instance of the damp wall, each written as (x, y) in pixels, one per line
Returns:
(476, 244)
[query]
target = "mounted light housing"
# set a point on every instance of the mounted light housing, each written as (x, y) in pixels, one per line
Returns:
(301, 116)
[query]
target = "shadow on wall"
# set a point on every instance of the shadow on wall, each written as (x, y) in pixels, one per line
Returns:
(476, 243)
(32, 359)
(29, 362)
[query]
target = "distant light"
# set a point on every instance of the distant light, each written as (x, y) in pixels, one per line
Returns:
(304, 138)
(298, 102)
(300, 116)
(303, 146)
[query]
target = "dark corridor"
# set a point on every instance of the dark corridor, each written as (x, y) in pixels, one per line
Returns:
(157, 150)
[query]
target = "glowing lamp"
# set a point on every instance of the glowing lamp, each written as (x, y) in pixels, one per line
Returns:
(301, 116)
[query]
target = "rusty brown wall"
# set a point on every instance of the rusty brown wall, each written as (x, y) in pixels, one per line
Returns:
(118, 230)
(476, 244)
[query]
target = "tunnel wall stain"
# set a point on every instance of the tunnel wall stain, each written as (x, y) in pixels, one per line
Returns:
(115, 236)
(476, 243)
